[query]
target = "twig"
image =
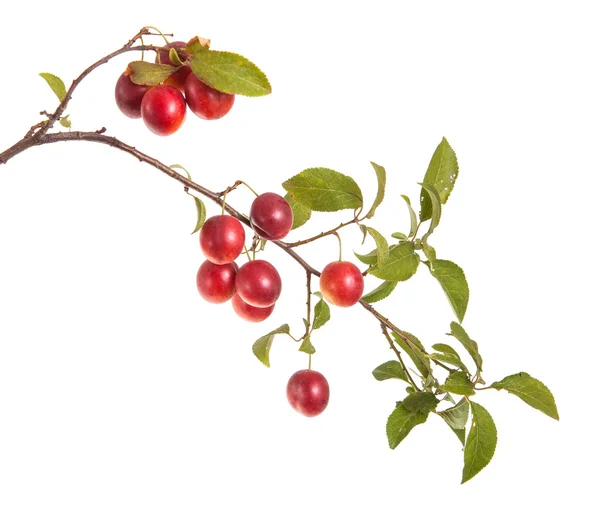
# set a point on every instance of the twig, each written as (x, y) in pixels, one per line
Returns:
(384, 330)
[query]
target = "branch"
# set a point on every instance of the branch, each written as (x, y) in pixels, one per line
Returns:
(321, 235)
(384, 330)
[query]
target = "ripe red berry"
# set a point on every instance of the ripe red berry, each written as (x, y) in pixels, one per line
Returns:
(308, 392)
(176, 79)
(222, 239)
(163, 109)
(249, 312)
(271, 216)
(342, 283)
(204, 101)
(129, 96)
(258, 283)
(216, 283)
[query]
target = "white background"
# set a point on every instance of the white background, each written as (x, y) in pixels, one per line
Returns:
(121, 391)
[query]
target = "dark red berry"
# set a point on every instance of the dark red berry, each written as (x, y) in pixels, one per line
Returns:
(271, 216)
(216, 283)
(249, 312)
(204, 101)
(163, 109)
(222, 239)
(342, 283)
(258, 283)
(308, 392)
(129, 96)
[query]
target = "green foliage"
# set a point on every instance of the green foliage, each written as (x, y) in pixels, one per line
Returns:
(229, 73)
(413, 217)
(458, 332)
(380, 172)
(306, 346)
(322, 314)
(148, 73)
(196, 45)
(423, 402)
(458, 382)
(369, 258)
(301, 213)
(436, 208)
(262, 347)
(441, 174)
(56, 84)
(456, 418)
(324, 190)
(481, 442)
(448, 355)
(201, 214)
(412, 346)
(381, 292)
(174, 57)
(399, 236)
(530, 390)
(389, 370)
(65, 121)
(382, 249)
(430, 253)
(401, 422)
(401, 264)
(454, 284)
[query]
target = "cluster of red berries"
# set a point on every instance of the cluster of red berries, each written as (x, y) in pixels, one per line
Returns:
(163, 107)
(255, 286)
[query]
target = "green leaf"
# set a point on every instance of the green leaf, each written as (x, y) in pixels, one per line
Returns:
(177, 166)
(322, 314)
(458, 332)
(449, 358)
(481, 442)
(56, 84)
(262, 347)
(452, 279)
(457, 416)
(389, 370)
(380, 172)
(324, 190)
(441, 173)
(229, 73)
(401, 422)
(65, 121)
(458, 383)
(530, 390)
(436, 208)
(201, 210)
(174, 57)
(399, 236)
(423, 402)
(381, 292)
(415, 350)
(401, 264)
(382, 249)
(307, 347)
(429, 251)
(301, 213)
(413, 217)
(369, 258)
(197, 44)
(148, 73)
(445, 348)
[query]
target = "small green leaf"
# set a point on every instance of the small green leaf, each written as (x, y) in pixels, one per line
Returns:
(65, 121)
(197, 44)
(481, 442)
(401, 264)
(382, 249)
(174, 57)
(201, 211)
(530, 390)
(262, 347)
(148, 73)
(56, 84)
(369, 258)
(399, 236)
(449, 358)
(381, 292)
(429, 251)
(301, 213)
(458, 332)
(457, 416)
(229, 73)
(307, 347)
(389, 370)
(380, 172)
(401, 422)
(415, 350)
(436, 208)
(322, 314)
(413, 216)
(423, 402)
(324, 190)
(441, 173)
(177, 166)
(458, 383)
(452, 279)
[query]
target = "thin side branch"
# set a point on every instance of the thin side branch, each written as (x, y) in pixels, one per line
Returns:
(384, 330)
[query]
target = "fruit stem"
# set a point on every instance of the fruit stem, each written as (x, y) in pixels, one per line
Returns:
(309, 361)
(340, 242)
(163, 36)
(247, 253)
(244, 183)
